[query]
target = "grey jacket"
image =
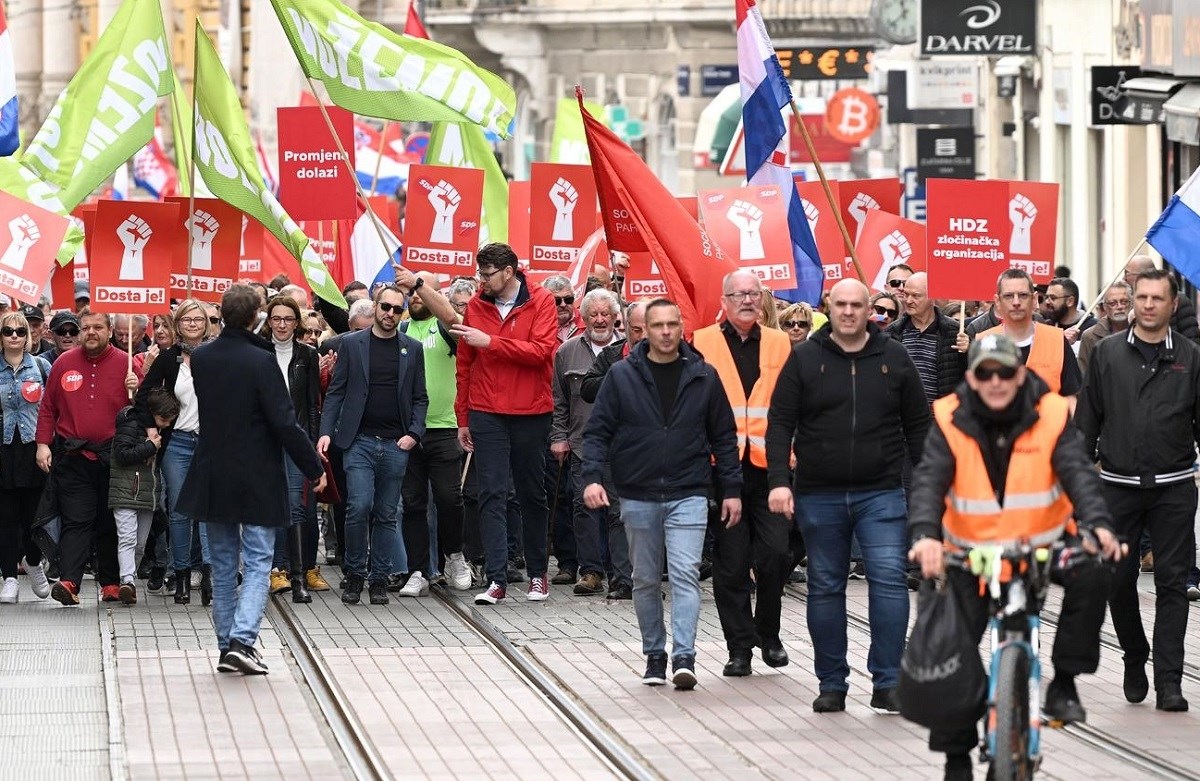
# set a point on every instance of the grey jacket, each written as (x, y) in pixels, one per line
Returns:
(571, 363)
(1090, 338)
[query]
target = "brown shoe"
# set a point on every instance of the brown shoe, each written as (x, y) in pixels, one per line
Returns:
(564, 577)
(315, 581)
(590, 583)
(1148, 562)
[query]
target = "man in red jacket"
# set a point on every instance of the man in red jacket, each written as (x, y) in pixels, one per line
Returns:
(506, 346)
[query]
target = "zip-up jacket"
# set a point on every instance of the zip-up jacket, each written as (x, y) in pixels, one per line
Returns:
(659, 460)
(951, 364)
(513, 375)
(846, 416)
(590, 386)
(135, 482)
(1142, 421)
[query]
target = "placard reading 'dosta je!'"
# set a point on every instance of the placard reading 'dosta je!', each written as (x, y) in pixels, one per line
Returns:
(967, 237)
(441, 224)
(750, 224)
(27, 253)
(214, 230)
(133, 250)
(314, 182)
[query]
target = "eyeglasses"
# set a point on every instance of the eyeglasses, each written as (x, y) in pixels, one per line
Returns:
(384, 306)
(21, 332)
(67, 332)
(1122, 304)
(886, 311)
(895, 283)
(985, 374)
(790, 324)
(1012, 297)
(1054, 299)
(744, 295)
(564, 300)
(191, 321)
(461, 305)
(277, 320)
(486, 275)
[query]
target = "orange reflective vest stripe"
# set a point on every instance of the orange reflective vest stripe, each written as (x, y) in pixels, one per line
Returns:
(1046, 353)
(774, 348)
(1036, 510)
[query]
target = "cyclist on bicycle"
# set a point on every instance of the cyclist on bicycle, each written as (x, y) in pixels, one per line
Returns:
(1004, 463)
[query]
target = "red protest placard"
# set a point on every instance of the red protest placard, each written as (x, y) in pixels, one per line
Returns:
(314, 183)
(822, 221)
(215, 233)
(132, 255)
(85, 214)
(887, 240)
(562, 213)
(856, 197)
(62, 286)
(27, 257)
(750, 224)
(1033, 214)
(643, 279)
(518, 220)
(967, 234)
(441, 225)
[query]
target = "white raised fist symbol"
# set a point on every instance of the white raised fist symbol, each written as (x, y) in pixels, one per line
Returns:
(133, 233)
(895, 250)
(565, 197)
(203, 227)
(1021, 213)
(25, 234)
(812, 214)
(445, 200)
(747, 218)
(858, 209)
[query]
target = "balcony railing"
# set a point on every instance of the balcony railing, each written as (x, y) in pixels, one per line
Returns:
(771, 9)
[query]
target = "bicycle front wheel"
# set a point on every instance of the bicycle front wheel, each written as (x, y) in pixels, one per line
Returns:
(1010, 762)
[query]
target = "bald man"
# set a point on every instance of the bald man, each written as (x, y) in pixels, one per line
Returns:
(848, 404)
(1184, 319)
(932, 339)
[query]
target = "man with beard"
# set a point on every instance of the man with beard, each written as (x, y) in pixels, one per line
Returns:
(600, 311)
(1117, 300)
(375, 413)
(437, 460)
(1061, 306)
(76, 423)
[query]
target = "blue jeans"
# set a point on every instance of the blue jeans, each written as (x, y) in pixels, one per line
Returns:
(238, 610)
(374, 474)
(679, 527)
(176, 460)
(878, 520)
(510, 450)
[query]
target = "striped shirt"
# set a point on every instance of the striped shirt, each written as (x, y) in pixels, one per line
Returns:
(922, 348)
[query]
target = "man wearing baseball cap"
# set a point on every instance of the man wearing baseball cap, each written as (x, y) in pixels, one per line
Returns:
(37, 329)
(82, 296)
(64, 330)
(1005, 453)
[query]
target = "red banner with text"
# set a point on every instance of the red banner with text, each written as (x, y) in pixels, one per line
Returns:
(27, 258)
(133, 251)
(441, 224)
(750, 224)
(967, 235)
(314, 183)
(1033, 214)
(562, 213)
(215, 233)
(889, 240)
(857, 197)
(822, 221)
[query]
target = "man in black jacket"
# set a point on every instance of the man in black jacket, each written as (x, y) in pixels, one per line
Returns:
(933, 340)
(664, 399)
(852, 398)
(1140, 412)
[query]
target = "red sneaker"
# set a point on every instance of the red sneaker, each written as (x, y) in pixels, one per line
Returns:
(539, 589)
(110, 594)
(493, 595)
(65, 592)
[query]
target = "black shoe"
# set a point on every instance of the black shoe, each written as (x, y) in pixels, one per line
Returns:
(738, 665)
(656, 670)
(884, 701)
(379, 592)
(395, 582)
(206, 585)
(623, 591)
(858, 570)
(243, 659)
(706, 568)
(683, 672)
(300, 593)
(774, 654)
(1062, 702)
(913, 582)
(830, 702)
(518, 562)
(514, 571)
(352, 591)
(1136, 685)
(183, 587)
(958, 768)
(1171, 699)
(154, 583)
(224, 665)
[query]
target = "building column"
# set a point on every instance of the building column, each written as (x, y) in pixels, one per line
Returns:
(60, 35)
(25, 30)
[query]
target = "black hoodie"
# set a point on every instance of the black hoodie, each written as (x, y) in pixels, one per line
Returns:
(847, 416)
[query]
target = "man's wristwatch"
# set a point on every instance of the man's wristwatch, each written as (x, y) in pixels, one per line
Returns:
(420, 282)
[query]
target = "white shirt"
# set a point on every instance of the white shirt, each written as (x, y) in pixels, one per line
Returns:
(505, 307)
(283, 356)
(189, 406)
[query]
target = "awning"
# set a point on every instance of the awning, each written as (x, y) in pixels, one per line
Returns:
(730, 97)
(1182, 118)
(1142, 98)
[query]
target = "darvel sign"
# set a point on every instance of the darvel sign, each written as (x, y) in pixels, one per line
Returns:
(978, 27)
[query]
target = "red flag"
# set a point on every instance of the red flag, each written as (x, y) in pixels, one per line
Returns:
(632, 197)
(412, 25)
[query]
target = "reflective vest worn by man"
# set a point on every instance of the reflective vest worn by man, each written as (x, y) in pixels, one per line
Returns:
(1045, 354)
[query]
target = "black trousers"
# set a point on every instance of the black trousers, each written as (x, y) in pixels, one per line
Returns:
(761, 540)
(17, 507)
(1076, 643)
(436, 462)
(86, 520)
(1168, 513)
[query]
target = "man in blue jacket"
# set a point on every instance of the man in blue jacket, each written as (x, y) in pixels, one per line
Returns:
(659, 418)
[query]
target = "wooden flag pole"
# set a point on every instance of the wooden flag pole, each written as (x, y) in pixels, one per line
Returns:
(129, 354)
(962, 317)
(1120, 274)
(353, 175)
(379, 156)
(837, 212)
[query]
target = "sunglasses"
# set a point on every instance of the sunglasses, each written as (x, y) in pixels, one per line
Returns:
(21, 332)
(985, 374)
(384, 306)
(885, 311)
(214, 319)
(790, 324)
(312, 331)
(895, 283)
(564, 300)
(71, 332)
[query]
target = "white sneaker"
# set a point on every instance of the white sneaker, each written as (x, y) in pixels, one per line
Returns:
(417, 586)
(10, 591)
(37, 579)
(458, 573)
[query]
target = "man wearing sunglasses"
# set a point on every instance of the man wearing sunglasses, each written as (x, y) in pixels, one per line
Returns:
(64, 330)
(570, 322)
(557, 480)
(1005, 463)
(897, 276)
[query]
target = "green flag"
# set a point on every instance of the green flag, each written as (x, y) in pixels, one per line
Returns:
(106, 113)
(226, 162)
(569, 144)
(462, 145)
(371, 70)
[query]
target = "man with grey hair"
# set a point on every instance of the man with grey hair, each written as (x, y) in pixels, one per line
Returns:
(1116, 302)
(600, 310)
(297, 294)
(360, 316)
(557, 493)
(569, 321)
(129, 329)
